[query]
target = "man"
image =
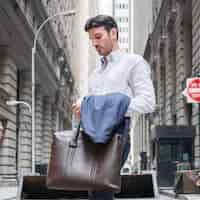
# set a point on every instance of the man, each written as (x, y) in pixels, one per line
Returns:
(117, 71)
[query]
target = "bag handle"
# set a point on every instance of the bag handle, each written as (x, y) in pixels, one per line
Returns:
(74, 142)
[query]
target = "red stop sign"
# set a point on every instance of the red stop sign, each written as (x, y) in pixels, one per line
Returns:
(193, 89)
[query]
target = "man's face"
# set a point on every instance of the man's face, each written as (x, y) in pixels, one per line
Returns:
(102, 40)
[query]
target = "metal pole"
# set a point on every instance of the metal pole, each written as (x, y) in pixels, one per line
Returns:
(66, 13)
(33, 111)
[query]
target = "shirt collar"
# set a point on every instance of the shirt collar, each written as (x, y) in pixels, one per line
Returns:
(112, 57)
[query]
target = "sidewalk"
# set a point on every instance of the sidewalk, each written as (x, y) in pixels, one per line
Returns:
(171, 193)
(8, 193)
(192, 196)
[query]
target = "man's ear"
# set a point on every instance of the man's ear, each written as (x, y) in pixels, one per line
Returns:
(113, 33)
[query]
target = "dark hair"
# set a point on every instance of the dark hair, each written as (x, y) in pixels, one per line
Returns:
(106, 21)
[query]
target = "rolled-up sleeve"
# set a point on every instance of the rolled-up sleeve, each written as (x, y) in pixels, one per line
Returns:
(141, 85)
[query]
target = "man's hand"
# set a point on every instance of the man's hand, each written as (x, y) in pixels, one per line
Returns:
(76, 107)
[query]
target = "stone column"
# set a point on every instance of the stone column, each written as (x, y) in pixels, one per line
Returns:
(8, 90)
(25, 139)
(183, 58)
(161, 83)
(156, 64)
(170, 76)
(38, 126)
(47, 129)
(54, 119)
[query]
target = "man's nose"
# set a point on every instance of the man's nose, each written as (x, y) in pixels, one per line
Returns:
(94, 43)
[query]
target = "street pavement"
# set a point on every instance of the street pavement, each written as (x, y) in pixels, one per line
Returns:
(161, 197)
(10, 193)
(192, 196)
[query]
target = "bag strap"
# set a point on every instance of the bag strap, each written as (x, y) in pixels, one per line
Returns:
(74, 142)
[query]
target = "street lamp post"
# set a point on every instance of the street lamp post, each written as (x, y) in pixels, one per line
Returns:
(14, 103)
(65, 13)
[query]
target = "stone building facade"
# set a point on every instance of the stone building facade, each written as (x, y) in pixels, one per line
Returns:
(196, 70)
(172, 50)
(19, 20)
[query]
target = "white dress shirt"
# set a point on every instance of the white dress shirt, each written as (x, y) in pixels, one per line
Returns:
(128, 74)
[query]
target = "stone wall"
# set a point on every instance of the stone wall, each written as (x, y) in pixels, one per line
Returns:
(53, 70)
(169, 52)
(196, 70)
(8, 84)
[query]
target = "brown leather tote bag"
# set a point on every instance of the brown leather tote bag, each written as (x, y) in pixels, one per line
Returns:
(77, 163)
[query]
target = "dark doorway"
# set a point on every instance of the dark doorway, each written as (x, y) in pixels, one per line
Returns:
(170, 153)
(174, 145)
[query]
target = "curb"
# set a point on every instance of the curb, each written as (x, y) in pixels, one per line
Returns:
(10, 198)
(169, 194)
(173, 195)
(8, 193)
